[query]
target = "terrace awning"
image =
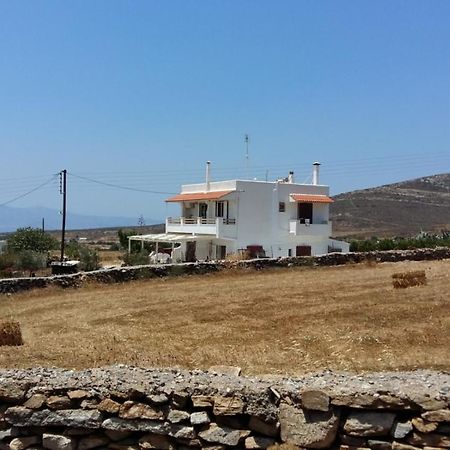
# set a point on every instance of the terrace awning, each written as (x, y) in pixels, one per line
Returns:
(169, 237)
(307, 198)
(197, 196)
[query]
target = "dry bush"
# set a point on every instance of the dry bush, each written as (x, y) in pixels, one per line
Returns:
(238, 256)
(404, 280)
(10, 333)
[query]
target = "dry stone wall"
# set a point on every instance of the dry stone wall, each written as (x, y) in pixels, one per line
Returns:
(124, 274)
(126, 408)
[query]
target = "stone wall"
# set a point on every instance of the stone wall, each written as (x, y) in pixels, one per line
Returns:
(131, 408)
(123, 274)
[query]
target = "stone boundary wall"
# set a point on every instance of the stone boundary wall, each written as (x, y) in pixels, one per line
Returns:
(123, 274)
(126, 408)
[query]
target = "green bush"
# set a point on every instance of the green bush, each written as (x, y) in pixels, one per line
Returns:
(29, 260)
(33, 239)
(7, 264)
(401, 243)
(136, 259)
(88, 257)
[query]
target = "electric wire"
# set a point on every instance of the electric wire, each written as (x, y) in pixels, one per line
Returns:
(118, 186)
(29, 192)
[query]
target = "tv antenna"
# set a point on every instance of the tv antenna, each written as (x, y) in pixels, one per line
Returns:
(247, 165)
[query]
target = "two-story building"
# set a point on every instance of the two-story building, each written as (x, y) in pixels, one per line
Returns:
(263, 218)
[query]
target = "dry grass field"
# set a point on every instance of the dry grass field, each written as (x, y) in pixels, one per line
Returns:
(275, 321)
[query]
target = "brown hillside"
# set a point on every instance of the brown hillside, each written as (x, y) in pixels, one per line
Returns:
(398, 209)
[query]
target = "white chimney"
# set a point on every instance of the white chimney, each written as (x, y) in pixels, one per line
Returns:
(315, 176)
(291, 177)
(208, 175)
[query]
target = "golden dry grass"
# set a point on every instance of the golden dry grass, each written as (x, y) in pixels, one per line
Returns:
(275, 321)
(10, 333)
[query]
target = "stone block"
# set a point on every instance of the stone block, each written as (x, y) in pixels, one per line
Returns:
(200, 418)
(58, 442)
(36, 401)
(441, 415)
(315, 400)
(401, 429)
(133, 410)
(216, 434)
(268, 429)
(423, 425)
(258, 442)
(311, 429)
(178, 416)
(109, 406)
(227, 406)
(367, 423)
(21, 443)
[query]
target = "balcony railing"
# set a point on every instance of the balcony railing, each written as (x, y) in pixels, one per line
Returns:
(216, 226)
(304, 227)
(199, 221)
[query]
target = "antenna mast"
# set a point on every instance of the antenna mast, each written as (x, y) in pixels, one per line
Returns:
(246, 140)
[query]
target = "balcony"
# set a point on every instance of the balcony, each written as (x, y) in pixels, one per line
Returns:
(310, 229)
(217, 227)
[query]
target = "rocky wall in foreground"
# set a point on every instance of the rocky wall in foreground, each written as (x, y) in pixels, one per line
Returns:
(123, 274)
(130, 408)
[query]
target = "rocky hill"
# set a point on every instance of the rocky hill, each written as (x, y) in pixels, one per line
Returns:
(404, 208)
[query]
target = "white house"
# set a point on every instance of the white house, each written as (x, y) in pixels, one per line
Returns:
(264, 218)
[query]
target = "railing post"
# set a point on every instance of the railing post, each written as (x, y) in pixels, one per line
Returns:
(199, 220)
(181, 220)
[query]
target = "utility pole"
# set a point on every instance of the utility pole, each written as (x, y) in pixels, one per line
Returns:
(43, 224)
(63, 192)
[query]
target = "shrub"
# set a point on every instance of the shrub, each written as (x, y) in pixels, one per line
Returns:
(136, 259)
(33, 239)
(401, 243)
(7, 263)
(403, 280)
(30, 260)
(10, 333)
(88, 257)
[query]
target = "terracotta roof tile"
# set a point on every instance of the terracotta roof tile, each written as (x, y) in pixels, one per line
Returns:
(194, 196)
(306, 198)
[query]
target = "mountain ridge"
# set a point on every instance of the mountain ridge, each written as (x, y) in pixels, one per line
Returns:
(403, 208)
(13, 218)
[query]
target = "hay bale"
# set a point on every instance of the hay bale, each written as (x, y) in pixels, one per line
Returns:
(403, 280)
(10, 333)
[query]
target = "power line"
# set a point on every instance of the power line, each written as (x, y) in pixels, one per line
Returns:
(29, 192)
(120, 187)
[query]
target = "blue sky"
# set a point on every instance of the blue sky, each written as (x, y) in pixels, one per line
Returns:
(142, 93)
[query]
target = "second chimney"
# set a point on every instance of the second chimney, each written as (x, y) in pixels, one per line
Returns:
(208, 175)
(315, 176)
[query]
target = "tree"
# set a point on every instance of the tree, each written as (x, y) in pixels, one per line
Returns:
(89, 258)
(30, 260)
(33, 239)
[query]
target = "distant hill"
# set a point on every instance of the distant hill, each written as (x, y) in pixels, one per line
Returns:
(404, 208)
(13, 218)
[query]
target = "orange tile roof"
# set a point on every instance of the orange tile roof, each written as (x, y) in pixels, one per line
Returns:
(306, 198)
(194, 196)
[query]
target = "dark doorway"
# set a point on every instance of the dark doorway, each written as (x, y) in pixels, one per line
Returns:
(303, 250)
(190, 251)
(305, 212)
(221, 251)
(202, 210)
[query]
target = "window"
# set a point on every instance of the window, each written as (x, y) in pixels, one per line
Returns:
(220, 209)
(282, 207)
(290, 252)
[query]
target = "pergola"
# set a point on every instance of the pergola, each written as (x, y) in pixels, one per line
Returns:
(166, 237)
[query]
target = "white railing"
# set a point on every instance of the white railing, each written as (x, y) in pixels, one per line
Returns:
(302, 227)
(218, 226)
(199, 221)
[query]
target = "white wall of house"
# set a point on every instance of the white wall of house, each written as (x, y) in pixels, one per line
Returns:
(255, 205)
